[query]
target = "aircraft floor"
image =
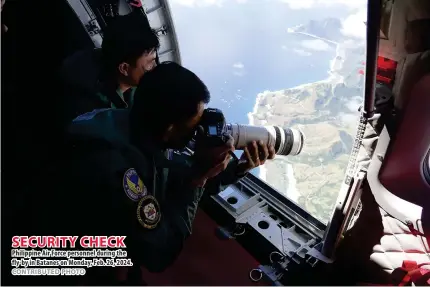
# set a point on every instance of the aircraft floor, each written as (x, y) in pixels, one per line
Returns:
(207, 260)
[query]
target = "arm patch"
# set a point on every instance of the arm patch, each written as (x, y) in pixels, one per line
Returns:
(148, 212)
(133, 185)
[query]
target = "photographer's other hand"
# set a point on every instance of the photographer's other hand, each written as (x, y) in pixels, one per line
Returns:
(209, 162)
(254, 155)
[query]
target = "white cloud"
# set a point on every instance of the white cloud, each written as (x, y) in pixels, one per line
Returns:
(302, 52)
(316, 45)
(238, 65)
(203, 3)
(308, 4)
(354, 25)
(354, 104)
(238, 69)
(299, 4)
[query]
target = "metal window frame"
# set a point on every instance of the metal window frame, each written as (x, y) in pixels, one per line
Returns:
(258, 190)
(158, 16)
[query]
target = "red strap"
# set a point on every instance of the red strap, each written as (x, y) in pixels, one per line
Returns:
(409, 265)
(135, 3)
(409, 273)
(415, 273)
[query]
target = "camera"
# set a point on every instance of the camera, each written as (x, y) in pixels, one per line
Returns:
(216, 131)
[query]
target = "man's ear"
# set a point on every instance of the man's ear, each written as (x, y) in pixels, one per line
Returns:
(123, 68)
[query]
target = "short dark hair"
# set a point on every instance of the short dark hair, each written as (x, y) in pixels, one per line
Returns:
(168, 94)
(125, 39)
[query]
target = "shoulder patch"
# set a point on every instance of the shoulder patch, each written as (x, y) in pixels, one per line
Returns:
(133, 185)
(148, 212)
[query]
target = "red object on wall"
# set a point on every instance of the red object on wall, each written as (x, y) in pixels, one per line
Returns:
(386, 70)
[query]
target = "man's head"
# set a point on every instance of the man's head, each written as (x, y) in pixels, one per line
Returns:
(129, 49)
(169, 103)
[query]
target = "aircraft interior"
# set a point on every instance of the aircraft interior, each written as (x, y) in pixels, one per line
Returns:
(249, 234)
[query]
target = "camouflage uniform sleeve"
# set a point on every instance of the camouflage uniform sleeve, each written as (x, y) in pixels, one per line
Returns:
(215, 185)
(224, 179)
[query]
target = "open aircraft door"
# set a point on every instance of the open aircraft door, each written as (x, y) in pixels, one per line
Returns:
(250, 234)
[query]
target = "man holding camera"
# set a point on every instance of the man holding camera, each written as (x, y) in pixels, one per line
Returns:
(119, 178)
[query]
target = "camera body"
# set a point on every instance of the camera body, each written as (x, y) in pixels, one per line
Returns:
(214, 127)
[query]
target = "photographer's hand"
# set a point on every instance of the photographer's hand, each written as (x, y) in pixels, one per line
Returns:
(254, 155)
(209, 162)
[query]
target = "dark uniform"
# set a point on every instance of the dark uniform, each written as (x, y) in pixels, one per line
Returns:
(83, 88)
(107, 186)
